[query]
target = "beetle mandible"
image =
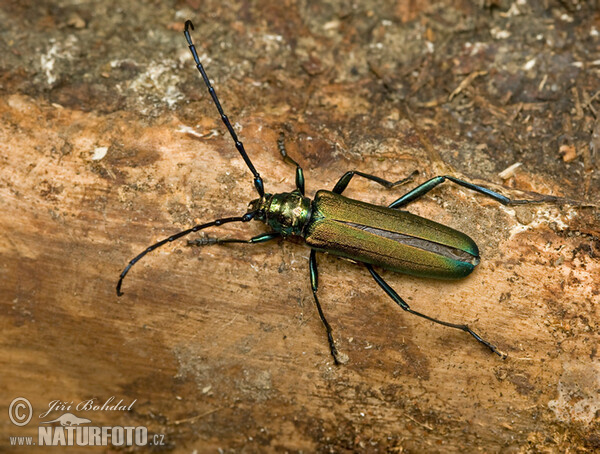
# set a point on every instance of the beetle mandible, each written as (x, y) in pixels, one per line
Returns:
(384, 237)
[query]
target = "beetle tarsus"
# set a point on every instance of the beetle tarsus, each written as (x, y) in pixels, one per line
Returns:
(492, 347)
(333, 349)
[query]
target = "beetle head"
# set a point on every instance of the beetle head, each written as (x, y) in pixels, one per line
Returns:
(259, 207)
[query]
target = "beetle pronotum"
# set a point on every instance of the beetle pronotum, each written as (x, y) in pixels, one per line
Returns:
(383, 237)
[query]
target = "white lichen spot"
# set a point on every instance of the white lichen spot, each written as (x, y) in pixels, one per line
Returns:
(543, 216)
(513, 11)
(58, 50)
(172, 96)
(98, 153)
(476, 48)
(20, 103)
(271, 42)
(530, 64)
(499, 34)
(271, 37)
(509, 171)
(343, 358)
(160, 79)
(48, 60)
(184, 129)
(332, 25)
(578, 392)
(566, 18)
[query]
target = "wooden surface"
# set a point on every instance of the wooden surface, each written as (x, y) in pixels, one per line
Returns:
(110, 143)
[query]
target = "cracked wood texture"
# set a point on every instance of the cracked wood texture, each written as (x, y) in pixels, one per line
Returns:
(109, 143)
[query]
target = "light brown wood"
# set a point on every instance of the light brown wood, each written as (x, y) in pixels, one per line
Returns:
(221, 346)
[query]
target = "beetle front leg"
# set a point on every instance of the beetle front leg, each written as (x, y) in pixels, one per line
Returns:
(343, 182)
(286, 158)
(206, 241)
(400, 302)
(424, 188)
(314, 282)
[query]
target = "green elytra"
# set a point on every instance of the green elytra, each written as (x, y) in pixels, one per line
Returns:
(373, 235)
(385, 237)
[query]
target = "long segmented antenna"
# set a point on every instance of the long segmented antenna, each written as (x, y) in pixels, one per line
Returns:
(258, 182)
(245, 218)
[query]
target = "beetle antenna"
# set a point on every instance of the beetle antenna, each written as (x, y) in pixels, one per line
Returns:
(245, 218)
(258, 182)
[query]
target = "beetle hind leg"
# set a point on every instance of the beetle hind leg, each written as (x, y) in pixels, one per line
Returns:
(400, 302)
(314, 282)
(424, 188)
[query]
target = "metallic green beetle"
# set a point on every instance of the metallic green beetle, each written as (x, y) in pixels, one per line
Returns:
(369, 234)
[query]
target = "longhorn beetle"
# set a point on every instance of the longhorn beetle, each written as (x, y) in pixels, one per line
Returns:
(375, 236)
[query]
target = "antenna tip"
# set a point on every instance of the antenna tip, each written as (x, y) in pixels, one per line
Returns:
(119, 292)
(188, 25)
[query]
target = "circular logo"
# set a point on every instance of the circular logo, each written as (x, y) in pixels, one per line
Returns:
(20, 411)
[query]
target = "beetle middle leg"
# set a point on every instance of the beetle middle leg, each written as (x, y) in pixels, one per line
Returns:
(400, 302)
(343, 182)
(424, 188)
(314, 282)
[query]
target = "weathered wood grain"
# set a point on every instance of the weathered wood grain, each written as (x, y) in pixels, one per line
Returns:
(221, 347)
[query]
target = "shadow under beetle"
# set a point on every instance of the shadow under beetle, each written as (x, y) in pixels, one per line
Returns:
(383, 237)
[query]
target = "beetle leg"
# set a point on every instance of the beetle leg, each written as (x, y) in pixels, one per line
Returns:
(400, 302)
(424, 188)
(286, 158)
(314, 282)
(342, 183)
(263, 237)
